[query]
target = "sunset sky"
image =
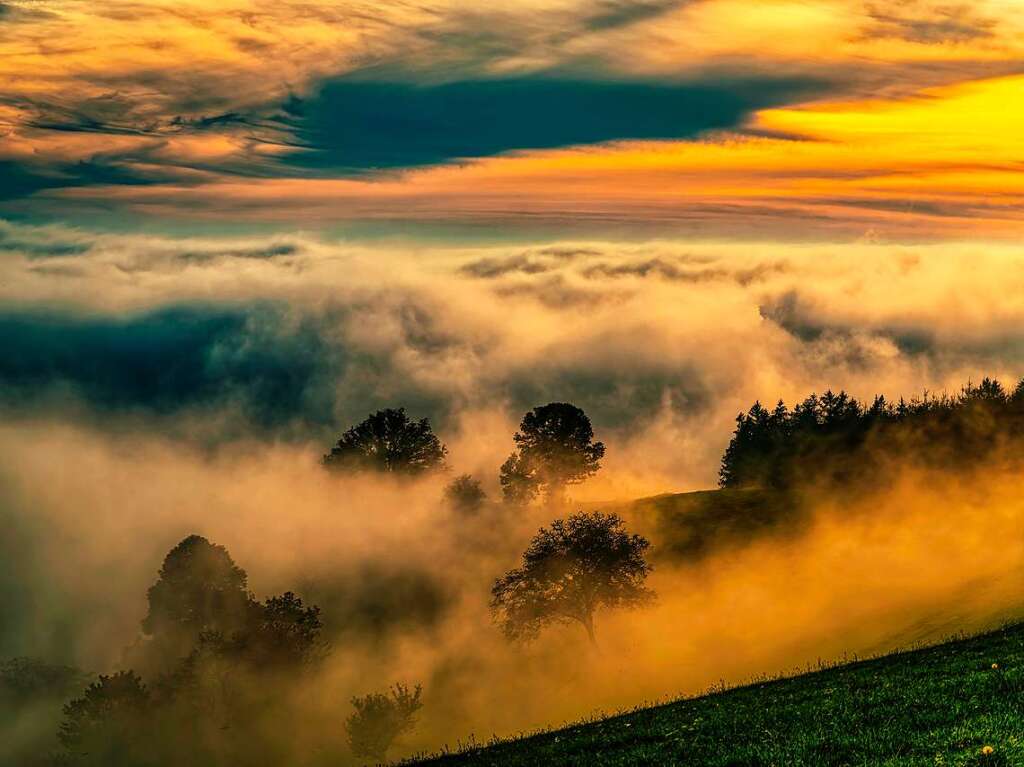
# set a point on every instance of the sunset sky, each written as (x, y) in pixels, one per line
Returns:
(780, 118)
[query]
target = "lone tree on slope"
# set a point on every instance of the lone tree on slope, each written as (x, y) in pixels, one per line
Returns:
(555, 447)
(569, 571)
(388, 441)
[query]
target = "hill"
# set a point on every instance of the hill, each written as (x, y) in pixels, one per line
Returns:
(942, 705)
(689, 525)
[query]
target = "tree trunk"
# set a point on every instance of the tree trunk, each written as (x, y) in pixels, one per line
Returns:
(555, 494)
(588, 624)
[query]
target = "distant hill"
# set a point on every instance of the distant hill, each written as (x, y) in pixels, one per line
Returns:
(943, 705)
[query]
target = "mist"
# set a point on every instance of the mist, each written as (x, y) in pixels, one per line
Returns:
(165, 387)
(404, 582)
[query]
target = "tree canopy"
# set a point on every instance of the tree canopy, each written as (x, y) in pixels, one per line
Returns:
(555, 447)
(107, 724)
(199, 588)
(569, 571)
(388, 441)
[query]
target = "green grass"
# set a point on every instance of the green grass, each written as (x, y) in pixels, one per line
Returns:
(935, 706)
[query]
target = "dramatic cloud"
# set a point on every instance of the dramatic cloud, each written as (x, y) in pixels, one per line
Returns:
(295, 337)
(357, 124)
(677, 116)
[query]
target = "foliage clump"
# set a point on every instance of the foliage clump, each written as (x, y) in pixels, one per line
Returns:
(225, 665)
(465, 495)
(199, 589)
(107, 724)
(390, 442)
(569, 571)
(555, 448)
(379, 719)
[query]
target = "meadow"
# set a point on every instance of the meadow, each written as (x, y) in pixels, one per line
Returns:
(960, 703)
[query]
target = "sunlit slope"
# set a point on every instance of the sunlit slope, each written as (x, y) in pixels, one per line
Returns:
(685, 528)
(937, 706)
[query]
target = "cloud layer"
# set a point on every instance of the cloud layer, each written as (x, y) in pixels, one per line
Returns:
(296, 337)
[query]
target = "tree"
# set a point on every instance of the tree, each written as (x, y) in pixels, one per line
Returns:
(569, 571)
(284, 634)
(107, 725)
(379, 719)
(464, 494)
(555, 447)
(199, 588)
(388, 441)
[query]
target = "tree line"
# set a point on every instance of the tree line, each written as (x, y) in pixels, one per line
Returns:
(835, 439)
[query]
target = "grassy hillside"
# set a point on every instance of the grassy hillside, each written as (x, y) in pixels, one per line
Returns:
(937, 706)
(689, 525)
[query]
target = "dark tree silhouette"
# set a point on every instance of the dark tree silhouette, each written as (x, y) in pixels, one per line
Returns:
(199, 589)
(464, 494)
(284, 633)
(570, 570)
(379, 719)
(107, 725)
(388, 441)
(555, 447)
(833, 438)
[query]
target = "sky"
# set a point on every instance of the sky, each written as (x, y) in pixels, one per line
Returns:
(724, 118)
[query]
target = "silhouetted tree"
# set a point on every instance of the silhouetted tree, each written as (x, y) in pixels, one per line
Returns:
(388, 441)
(284, 633)
(379, 719)
(989, 390)
(464, 494)
(555, 447)
(199, 589)
(569, 571)
(108, 724)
